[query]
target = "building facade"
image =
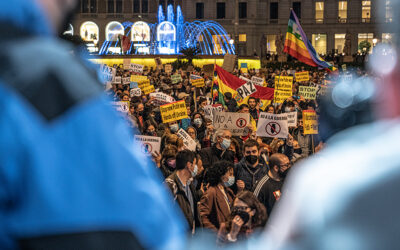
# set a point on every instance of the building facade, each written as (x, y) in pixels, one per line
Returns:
(260, 21)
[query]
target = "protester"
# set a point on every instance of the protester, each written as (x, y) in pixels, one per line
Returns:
(219, 151)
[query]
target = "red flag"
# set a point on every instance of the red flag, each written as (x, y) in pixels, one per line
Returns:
(126, 43)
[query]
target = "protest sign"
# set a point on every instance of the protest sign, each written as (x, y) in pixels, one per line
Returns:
(108, 73)
(197, 81)
(209, 110)
(235, 122)
(137, 68)
(161, 98)
(144, 84)
(176, 78)
(148, 89)
(168, 68)
(208, 70)
(284, 82)
(138, 78)
(173, 111)
(308, 92)
(188, 142)
(149, 144)
(303, 76)
(127, 64)
(117, 80)
(126, 80)
(246, 89)
(257, 80)
(135, 92)
(281, 95)
(310, 122)
(272, 125)
(121, 106)
(229, 62)
(292, 119)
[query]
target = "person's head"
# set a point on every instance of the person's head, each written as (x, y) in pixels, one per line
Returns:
(192, 132)
(245, 201)
(173, 126)
(270, 109)
(139, 107)
(197, 119)
(221, 172)
(222, 138)
(227, 96)
(169, 155)
(202, 102)
(290, 107)
(150, 128)
(279, 165)
(186, 160)
(244, 108)
(250, 152)
(59, 13)
(125, 98)
(252, 102)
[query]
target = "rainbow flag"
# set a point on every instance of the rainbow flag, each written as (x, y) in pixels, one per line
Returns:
(226, 82)
(298, 45)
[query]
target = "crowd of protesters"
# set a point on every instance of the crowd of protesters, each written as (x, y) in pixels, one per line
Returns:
(228, 184)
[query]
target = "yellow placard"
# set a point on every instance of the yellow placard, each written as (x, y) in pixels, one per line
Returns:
(310, 122)
(283, 82)
(173, 111)
(138, 78)
(198, 82)
(148, 89)
(143, 84)
(281, 95)
(309, 93)
(303, 76)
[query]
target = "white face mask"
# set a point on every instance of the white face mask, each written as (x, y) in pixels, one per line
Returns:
(174, 128)
(195, 170)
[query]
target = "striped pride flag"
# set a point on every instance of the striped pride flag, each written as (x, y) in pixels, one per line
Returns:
(298, 45)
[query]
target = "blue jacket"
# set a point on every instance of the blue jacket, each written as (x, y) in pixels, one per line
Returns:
(68, 162)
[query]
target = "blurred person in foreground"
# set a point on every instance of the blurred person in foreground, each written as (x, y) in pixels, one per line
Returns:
(71, 176)
(346, 197)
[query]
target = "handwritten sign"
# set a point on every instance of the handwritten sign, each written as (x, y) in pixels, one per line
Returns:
(137, 68)
(235, 122)
(308, 92)
(303, 76)
(173, 111)
(188, 142)
(257, 80)
(310, 122)
(150, 144)
(176, 78)
(272, 125)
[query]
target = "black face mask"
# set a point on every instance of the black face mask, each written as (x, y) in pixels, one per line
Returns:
(298, 151)
(283, 174)
(242, 214)
(252, 159)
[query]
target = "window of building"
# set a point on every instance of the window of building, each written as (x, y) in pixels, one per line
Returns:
(110, 6)
(162, 3)
(85, 6)
(219, 42)
(113, 31)
(273, 10)
(387, 38)
(271, 48)
(297, 9)
(93, 6)
(340, 40)
(199, 10)
(242, 38)
(136, 6)
(243, 10)
(389, 12)
(365, 37)
(140, 32)
(319, 12)
(145, 6)
(89, 32)
(319, 43)
(342, 12)
(118, 6)
(366, 11)
(220, 10)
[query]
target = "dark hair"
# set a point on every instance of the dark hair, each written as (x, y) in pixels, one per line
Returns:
(250, 143)
(268, 106)
(243, 106)
(184, 157)
(216, 171)
(169, 151)
(251, 98)
(228, 95)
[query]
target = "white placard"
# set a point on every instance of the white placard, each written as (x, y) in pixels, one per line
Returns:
(188, 142)
(292, 119)
(272, 125)
(235, 122)
(150, 144)
(246, 89)
(135, 92)
(162, 98)
(121, 106)
(137, 68)
(107, 73)
(209, 110)
(257, 80)
(117, 80)
(126, 80)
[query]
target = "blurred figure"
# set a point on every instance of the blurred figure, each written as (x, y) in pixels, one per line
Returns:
(71, 176)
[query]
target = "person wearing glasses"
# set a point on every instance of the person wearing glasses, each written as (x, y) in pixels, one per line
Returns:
(268, 189)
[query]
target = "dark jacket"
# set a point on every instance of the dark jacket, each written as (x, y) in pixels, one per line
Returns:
(268, 191)
(180, 197)
(213, 207)
(255, 114)
(249, 175)
(211, 155)
(232, 105)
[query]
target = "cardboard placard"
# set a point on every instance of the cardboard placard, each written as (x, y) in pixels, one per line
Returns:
(310, 122)
(229, 62)
(126, 80)
(162, 98)
(137, 68)
(188, 142)
(176, 78)
(272, 125)
(117, 80)
(127, 64)
(122, 106)
(197, 81)
(149, 144)
(135, 92)
(292, 119)
(138, 78)
(209, 110)
(257, 80)
(308, 92)
(173, 111)
(208, 70)
(148, 89)
(235, 122)
(303, 76)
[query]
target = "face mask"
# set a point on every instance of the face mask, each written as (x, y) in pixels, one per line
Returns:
(252, 159)
(301, 129)
(226, 143)
(194, 173)
(151, 133)
(298, 151)
(171, 163)
(283, 174)
(242, 214)
(230, 182)
(174, 128)
(198, 122)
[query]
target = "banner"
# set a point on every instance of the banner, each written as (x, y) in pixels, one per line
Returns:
(150, 144)
(121, 106)
(308, 92)
(235, 122)
(281, 95)
(133, 85)
(173, 112)
(138, 78)
(209, 110)
(272, 125)
(284, 82)
(137, 68)
(246, 89)
(229, 62)
(176, 78)
(257, 80)
(292, 119)
(310, 122)
(303, 76)
(188, 142)
(162, 98)
(135, 92)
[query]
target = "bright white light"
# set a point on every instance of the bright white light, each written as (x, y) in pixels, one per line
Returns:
(231, 41)
(374, 41)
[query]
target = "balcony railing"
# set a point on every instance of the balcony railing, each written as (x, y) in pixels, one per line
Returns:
(342, 20)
